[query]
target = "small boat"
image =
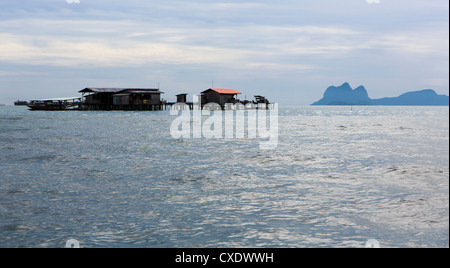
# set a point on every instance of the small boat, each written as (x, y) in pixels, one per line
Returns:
(20, 103)
(56, 104)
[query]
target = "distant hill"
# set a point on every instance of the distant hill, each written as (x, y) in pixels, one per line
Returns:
(345, 95)
(427, 97)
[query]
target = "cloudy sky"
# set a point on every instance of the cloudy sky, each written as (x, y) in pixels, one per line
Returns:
(287, 50)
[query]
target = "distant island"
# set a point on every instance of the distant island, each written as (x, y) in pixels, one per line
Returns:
(345, 95)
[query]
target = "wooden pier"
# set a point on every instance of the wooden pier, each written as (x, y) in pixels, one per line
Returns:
(100, 107)
(148, 99)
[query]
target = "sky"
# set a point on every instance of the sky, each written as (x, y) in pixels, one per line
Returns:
(290, 51)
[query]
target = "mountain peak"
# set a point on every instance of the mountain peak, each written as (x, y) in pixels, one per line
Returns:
(344, 95)
(361, 91)
(346, 86)
(429, 91)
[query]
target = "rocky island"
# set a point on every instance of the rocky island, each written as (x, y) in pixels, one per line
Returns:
(345, 95)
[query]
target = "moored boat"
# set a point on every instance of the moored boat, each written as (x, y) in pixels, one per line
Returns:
(56, 104)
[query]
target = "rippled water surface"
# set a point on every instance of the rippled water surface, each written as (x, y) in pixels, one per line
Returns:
(337, 178)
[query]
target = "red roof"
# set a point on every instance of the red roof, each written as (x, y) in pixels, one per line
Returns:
(225, 91)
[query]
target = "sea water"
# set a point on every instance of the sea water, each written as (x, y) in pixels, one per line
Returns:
(338, 177)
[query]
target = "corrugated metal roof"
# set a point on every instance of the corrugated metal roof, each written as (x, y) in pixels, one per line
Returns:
(58, 99)
(145, 92)
(101, 90)
(115, 90)
(224, 91)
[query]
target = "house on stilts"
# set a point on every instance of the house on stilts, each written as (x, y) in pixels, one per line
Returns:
(220, 96)
(145, 99)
